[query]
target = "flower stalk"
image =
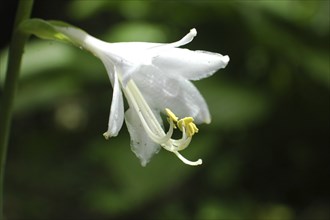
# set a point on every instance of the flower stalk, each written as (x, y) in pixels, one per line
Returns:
(16, 50)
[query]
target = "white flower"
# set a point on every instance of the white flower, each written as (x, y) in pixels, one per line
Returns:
(154, 78)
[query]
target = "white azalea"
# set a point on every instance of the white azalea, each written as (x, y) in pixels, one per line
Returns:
(154, 78)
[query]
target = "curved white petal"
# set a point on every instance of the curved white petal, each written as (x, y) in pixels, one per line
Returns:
(134, 50)
(186, 39)
(178, 94)
(192, 65)
(183, 41)
(131, 56)
(143, 147)
(116, 117)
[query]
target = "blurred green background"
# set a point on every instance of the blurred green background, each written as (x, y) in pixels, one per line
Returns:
(265, 153)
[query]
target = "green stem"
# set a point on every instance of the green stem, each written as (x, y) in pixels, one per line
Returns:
(16, 50)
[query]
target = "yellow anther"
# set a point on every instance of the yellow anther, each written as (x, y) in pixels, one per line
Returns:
(185, 125)
(171, 115)
(191, 129)
(188, 124)
(188, 120)
(184, 122)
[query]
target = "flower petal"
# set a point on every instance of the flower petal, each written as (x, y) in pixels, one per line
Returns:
(133, 50)
(192, 65)
(183, 41)
(186, 39)
(116, 117)
(131, 56)
(127, 56)
(143, 147)
(178, 94)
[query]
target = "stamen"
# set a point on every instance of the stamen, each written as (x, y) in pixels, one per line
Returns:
(145, 107)
(183, 143)
(147, 117)
(155, 130)
(192, 129)
(188, 125)
(171, 115)
(144, 119)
